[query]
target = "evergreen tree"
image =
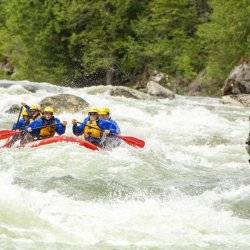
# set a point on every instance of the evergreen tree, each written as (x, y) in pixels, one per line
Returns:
(73, 41)
(226, 36)
(167, 34)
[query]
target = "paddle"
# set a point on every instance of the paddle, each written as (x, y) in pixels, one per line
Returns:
(132, 141)
(4, 134)
(5, 131)
(20, 112)
(135, 142)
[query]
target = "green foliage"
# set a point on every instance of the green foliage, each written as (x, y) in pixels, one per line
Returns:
(60, 40)
(64, 41)
(167, 35)
(226, 37)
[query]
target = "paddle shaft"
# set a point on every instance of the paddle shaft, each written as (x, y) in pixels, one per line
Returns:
(48, 125)
(93, 127)
(19, 115)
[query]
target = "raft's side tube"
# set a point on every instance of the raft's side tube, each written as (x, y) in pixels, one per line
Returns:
(56, 139)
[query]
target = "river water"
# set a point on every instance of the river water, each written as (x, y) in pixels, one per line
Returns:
(189, 188)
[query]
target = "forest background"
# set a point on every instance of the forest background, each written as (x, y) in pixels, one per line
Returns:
(78, 42)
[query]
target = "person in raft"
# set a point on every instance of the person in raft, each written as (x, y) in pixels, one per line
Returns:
(34, 111)
(93, 129)
(112, 141)
(45, 127)
(20, 125)
(104, 114)
(29, 114)
(23, 122)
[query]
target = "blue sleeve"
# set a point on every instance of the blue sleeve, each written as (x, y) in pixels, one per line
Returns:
(78, 129)
(118, 131)
(18, 125)
(60, 129)
(86, 119)
(113, 129)
(35, 126)
(107, 125)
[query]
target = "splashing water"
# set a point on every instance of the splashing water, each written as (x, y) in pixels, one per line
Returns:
(189, 188)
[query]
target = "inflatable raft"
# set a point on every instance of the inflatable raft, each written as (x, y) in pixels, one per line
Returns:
(57, 139)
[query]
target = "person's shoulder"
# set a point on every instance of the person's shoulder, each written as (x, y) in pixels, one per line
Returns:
(57, 120)
(113, 121)
(86, 119)
(106, 124)
(21, 120)
(102, 121)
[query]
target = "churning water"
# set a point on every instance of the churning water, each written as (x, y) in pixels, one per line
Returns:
(189, 188)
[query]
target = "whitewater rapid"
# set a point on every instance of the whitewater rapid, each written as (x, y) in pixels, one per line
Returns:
(189, 188)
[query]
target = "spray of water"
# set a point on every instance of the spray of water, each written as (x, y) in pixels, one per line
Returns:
(189, 188)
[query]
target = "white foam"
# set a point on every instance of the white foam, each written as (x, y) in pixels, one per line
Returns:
(182, 190)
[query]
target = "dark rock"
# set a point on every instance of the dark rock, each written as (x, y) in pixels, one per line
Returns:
(240, 100)
(123, 91)
(13, 109)
(195, 88)
(238, 81)
(159, 91)
(31, 86)
(147, 76)
(65, 103)
(7, 66)
(5, 85)
(158, 77)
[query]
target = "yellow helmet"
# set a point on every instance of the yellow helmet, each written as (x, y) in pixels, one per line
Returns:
(104, 111)
(93, 110)
(48, 110)
(24, 112)
(35, 107)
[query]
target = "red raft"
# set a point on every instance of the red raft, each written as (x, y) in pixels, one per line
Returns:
(56, 139)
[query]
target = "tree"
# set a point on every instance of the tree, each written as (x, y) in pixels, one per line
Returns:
(167, 33)
(226, 36)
